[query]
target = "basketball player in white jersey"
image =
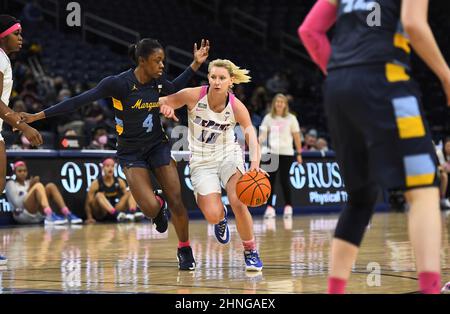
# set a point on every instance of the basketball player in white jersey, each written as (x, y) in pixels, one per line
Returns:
(10, 41)
(217, 159)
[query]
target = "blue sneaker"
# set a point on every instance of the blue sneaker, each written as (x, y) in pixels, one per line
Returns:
(3, 260)
(54, 219)
(74, 220)
(252, 261)
(221, 230)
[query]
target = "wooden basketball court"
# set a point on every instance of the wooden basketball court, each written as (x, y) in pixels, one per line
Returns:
(134, 258)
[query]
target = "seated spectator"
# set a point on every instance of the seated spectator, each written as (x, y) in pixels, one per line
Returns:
(108, 199)
(29, 199)
(100, 140)
(322, 144)
(310, 141)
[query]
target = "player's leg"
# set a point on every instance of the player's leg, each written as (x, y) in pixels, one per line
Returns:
(169, 180)
(244, 224)
(141, 188)
(208, 193)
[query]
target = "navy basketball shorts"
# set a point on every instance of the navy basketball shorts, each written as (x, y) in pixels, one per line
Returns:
(145, 157)
(377, 127)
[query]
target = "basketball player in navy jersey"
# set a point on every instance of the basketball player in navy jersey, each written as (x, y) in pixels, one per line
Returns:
(142, 143)
(376, 121)
(10, 42)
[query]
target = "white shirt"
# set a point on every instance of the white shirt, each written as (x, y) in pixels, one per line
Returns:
(16, 193)
(280, 130)
(5, 68)
(211, 133)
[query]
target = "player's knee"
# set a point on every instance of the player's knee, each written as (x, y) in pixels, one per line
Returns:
(40, 186)
(214, 217)
(237, 206)
(356, 215)
(175, 204)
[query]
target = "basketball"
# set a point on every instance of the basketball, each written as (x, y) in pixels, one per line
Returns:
(253, 189)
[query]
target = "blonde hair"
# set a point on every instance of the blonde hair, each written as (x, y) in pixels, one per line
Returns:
(238, 75)
(273, 111)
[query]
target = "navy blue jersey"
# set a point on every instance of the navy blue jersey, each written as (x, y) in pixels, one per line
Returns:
(136, 106)
(113, 192)
(359, 41)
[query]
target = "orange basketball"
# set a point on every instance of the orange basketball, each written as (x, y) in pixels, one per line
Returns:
(253, 189)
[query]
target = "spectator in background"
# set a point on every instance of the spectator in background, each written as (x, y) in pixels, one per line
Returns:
(108, 199)
(32, 13)
(258, 105)
(281, 129)
(310, 141)
(278, 84)
(100, 139)
(29, 199)
(322, 144)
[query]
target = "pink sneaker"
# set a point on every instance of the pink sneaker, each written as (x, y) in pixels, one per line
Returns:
(270, 212)
(287, 212)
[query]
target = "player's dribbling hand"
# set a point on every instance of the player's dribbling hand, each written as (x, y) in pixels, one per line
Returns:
(255, 167)
(168, 112)
(33, 136)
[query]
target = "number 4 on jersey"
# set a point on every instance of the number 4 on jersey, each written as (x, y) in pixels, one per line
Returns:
(148, 123)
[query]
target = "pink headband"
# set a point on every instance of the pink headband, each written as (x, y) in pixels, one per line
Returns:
(19, 164)
(11, 30)
(108, 159)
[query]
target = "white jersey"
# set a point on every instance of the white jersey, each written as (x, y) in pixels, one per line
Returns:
(211, 134)
(5, 68)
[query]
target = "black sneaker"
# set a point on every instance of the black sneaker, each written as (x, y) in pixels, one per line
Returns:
(161, 221)
(185, 259)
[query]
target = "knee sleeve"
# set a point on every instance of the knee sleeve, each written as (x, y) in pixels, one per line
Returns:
(356, 215)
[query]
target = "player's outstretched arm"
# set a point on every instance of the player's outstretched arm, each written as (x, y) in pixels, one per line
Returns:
(108, 87)
(187, 96)
(415, 22)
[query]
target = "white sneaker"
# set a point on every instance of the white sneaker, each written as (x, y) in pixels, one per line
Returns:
(270, 212)
(287, 212)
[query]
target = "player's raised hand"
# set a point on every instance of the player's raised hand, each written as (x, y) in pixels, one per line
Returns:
(168, 112)
(200, 55)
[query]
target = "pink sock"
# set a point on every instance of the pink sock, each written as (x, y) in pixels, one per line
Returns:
(183, 244)
(160, 200)
(65, 211)
(48, 211)
(249, 245)
(133, 210)
(430, 283)
(112, 211)
(336, 285)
